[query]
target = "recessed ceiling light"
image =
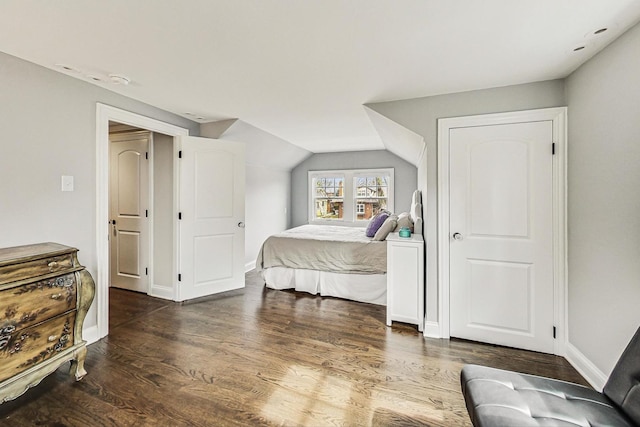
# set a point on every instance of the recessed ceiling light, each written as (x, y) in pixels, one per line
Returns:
(68, 68)
(96, 78)
(119, 79)
(599, 32)
(195, 116)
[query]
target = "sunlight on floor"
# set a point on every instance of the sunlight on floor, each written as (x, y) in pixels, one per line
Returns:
(310, 397)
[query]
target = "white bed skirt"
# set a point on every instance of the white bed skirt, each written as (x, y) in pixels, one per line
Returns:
(370, 288)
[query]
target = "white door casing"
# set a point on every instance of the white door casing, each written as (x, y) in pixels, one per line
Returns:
(105, 114)
(500, 209)
(211, 211)
(504, 282)
(129, 203)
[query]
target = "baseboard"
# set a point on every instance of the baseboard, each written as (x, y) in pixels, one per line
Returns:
(432, 330)
(161, 291)
(90, 334)
(249, 266)
(585, 367)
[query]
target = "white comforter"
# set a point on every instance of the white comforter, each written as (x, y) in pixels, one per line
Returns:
(324, 248)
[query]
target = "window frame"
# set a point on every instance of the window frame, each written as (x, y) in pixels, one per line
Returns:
(349, 197)
(313, 198)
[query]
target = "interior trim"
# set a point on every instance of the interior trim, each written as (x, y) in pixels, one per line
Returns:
(104, 114)
(558, 116)
(585, 367)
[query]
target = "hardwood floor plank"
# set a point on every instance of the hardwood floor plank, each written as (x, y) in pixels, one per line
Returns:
(263, 357)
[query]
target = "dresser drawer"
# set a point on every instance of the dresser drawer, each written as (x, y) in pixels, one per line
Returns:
(39, 267)
(25, 348)
(32, 303)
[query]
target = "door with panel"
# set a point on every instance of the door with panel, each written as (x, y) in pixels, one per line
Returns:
(211, 216)
(501, 243)
(128, 206)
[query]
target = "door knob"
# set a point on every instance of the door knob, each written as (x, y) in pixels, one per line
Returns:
(457, 236)
(241, 224)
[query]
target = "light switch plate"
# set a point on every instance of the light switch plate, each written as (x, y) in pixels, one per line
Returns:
(67, 183)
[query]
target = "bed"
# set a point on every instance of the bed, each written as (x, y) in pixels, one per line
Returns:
(331, 260)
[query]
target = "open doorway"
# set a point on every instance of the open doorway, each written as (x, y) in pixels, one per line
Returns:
(130, 178)
(166, 193)
(141, 180)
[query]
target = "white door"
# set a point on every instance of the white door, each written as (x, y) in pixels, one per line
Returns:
(501, 234)
(128, 206)
(211, 212)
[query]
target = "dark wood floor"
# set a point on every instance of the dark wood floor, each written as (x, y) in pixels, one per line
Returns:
(264, 357)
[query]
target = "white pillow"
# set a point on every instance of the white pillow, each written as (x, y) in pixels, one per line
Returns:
(387, 227)
(404, 221)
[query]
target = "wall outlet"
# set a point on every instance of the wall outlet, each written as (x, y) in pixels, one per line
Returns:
(67, 183)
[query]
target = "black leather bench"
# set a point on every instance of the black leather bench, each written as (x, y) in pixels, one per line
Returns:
(497, 398)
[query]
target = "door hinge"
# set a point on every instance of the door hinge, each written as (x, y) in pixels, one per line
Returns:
(553, 149)
(179, 277)
(180, 154)
(554, 332)
(146, 213)
(146, 271)
(146, 155)
(179, 215)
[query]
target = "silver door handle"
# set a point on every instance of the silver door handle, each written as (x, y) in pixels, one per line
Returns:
(241, 224)
(457, 236)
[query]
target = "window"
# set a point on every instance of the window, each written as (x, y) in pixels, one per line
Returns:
(372, 193)
(328, 197)
(350, 197)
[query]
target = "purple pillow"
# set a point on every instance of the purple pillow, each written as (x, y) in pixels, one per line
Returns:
(376, 222)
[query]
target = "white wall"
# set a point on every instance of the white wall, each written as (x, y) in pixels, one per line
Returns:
(267, 207)
(604, 202)
(421, 114)
(48, 130)
(269, 160)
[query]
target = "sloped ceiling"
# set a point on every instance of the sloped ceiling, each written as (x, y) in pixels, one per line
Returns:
(396, 138)
(302, 70)
(263, 149)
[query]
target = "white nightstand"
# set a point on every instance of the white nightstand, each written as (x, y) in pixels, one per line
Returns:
(405, 279)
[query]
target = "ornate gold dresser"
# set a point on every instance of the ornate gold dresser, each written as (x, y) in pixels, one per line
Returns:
(44, 297)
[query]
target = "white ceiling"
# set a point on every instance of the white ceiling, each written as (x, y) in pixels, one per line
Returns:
(302, 70)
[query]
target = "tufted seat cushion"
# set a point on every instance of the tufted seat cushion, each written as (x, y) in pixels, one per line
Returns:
(503, 398)
(497, 398)
(623, 385)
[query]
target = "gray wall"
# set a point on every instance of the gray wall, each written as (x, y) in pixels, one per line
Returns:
(267, 207)
(405, 177)
(163, 219)
(269, 161)
(421, 114)
(48, 130)
(604, 201)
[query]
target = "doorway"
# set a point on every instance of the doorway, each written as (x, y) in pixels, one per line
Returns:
(501, 228)
(129, 205)
(203, 243)
(104, 115)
